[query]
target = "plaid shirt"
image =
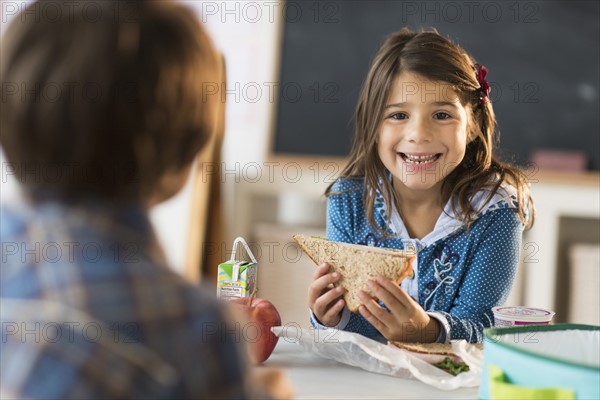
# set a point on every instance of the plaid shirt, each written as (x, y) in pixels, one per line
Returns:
(90, 310)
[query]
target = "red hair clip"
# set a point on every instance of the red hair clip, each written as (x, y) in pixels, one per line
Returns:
(483, 83)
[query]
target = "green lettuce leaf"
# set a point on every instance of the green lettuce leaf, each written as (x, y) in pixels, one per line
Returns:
(452, 367)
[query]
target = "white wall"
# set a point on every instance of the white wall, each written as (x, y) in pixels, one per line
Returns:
(248, 34)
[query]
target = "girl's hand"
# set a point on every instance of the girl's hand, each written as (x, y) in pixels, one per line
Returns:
(405, 322)
(323, 298)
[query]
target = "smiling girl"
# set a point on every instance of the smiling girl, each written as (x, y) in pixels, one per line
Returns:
(422, 176)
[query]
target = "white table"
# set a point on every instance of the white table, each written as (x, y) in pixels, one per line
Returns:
(315, 377)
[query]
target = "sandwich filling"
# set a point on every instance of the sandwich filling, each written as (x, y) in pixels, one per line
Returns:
(439, 355)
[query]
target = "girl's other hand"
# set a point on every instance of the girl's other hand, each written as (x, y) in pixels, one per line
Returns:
(406, 320)
(325, 299)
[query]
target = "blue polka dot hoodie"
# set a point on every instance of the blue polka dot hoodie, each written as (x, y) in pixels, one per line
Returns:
(459, 274)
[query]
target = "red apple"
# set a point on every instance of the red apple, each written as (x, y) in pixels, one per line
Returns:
(261, 315)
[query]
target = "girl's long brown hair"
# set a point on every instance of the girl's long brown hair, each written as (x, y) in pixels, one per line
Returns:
(436, 58)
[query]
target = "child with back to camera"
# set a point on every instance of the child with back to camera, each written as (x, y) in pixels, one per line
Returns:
(90, 308)
(422, 176)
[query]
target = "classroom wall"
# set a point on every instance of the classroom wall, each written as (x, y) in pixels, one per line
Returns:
(250, 49)
(248, 36)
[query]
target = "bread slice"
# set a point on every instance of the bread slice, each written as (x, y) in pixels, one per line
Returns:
(430, 352)
(356, 264)
(435, 349)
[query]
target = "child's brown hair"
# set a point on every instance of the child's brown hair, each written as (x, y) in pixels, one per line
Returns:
(436, 58)
(102, 104)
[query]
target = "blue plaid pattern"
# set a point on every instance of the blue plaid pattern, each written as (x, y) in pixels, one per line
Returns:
(91, 310)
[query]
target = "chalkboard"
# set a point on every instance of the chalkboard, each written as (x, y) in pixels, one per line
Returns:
(543, 60)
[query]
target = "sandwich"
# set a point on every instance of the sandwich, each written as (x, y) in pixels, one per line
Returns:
(356, 264)
(437, 354)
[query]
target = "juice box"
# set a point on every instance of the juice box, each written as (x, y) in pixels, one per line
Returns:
(236, 278)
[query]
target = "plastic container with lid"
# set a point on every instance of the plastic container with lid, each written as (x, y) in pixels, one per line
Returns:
(513, 316)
